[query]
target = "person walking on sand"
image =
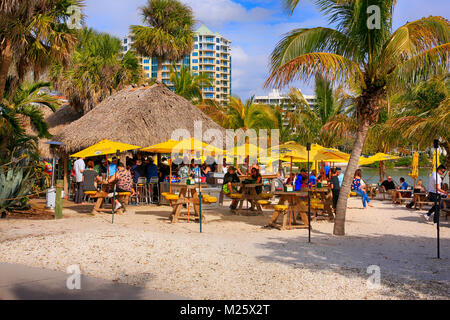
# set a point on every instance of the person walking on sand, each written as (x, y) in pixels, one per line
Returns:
(358, 186)
(435, 192)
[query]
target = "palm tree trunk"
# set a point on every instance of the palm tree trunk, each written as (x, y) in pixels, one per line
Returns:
(6, 57)
(159, 70)
(341, 208)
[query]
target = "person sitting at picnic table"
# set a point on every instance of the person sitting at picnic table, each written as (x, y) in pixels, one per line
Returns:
(195, 169)
(335, 187)
(230, 178)
(435, 191)
(90, 177)
(242, 170)
(183, 172)
(112, 167)
(397, 193)
(124, 182)
(205, 170)
(358, 186)
(256, 179)
(388, 186)
(312, 178)
(419, 188)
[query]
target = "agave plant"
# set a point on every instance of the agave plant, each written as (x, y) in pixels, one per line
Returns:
(15, 184)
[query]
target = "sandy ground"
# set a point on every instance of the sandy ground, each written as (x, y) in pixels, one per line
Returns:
(235, 258)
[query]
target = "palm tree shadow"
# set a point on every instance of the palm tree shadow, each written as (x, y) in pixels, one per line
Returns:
(352, 255)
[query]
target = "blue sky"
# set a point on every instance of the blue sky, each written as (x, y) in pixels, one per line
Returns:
(253, 26)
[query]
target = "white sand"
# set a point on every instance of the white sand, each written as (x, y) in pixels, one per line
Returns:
(235, 258)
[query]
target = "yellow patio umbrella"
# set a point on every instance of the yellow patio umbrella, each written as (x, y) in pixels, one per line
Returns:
(435, 164)
(290, 151)
(377, 157)
(415, 167)
(190, 144)
(330, 154)
(104, 147)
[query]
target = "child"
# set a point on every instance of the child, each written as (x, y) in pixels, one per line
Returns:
(335, 187)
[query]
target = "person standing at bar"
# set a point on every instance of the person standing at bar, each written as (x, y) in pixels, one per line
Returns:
(79, 166)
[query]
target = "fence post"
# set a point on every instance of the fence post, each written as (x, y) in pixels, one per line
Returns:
(59, 200)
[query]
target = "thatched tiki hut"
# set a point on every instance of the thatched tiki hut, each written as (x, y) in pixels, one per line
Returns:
(140, 116)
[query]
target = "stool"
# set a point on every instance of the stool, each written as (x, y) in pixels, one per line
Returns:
(141, 191)
(88, 194)
(123, 198)
(152, 185)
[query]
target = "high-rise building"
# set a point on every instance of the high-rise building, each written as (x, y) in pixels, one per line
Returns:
(211, 56)
(275, 98)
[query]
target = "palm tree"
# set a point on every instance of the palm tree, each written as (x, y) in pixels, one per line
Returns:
(169, 32)
(96, 71)
(423, 114)
(25, 104)
(308, 120)
(214, 110)
(249, 115)
(187, 84)
(34, 34)
(374, 60)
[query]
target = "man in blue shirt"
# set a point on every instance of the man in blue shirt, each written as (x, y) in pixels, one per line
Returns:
(397, 194)
(312, 178)
(137, 171)
(112, 167)
(151, 170)
(340, 176)
(404, 184)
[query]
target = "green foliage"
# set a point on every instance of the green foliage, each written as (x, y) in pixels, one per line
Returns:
(26, 103)
(96, 71)
(189, 85)
(33, 35)
(15, 184)
(168, 33)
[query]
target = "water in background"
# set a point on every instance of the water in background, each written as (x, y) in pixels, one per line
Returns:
(372, 175)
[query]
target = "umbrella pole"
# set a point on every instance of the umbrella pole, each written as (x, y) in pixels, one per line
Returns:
(291, 172)
(170, 176)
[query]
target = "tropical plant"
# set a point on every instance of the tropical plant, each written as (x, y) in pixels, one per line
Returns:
(168, 34)
(249, 115)
(214, 110)
(308, 120)
(33, 35)
(24, 105)
(96, 71)
(372, 59)
(187, 84)
(15, 184)
(422, 114)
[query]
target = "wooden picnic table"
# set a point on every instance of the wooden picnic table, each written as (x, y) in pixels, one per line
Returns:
(296, 206)
(445, 207)
(398, 195)
(188, 195)
(101, 197)
(372, 191)
(325, 196)
(248, 191)
(419, 199)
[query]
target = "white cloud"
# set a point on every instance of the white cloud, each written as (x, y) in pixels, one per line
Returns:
(216, 13)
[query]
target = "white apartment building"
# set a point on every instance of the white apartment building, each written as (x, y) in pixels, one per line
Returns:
(211, 56)
(276, 98)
